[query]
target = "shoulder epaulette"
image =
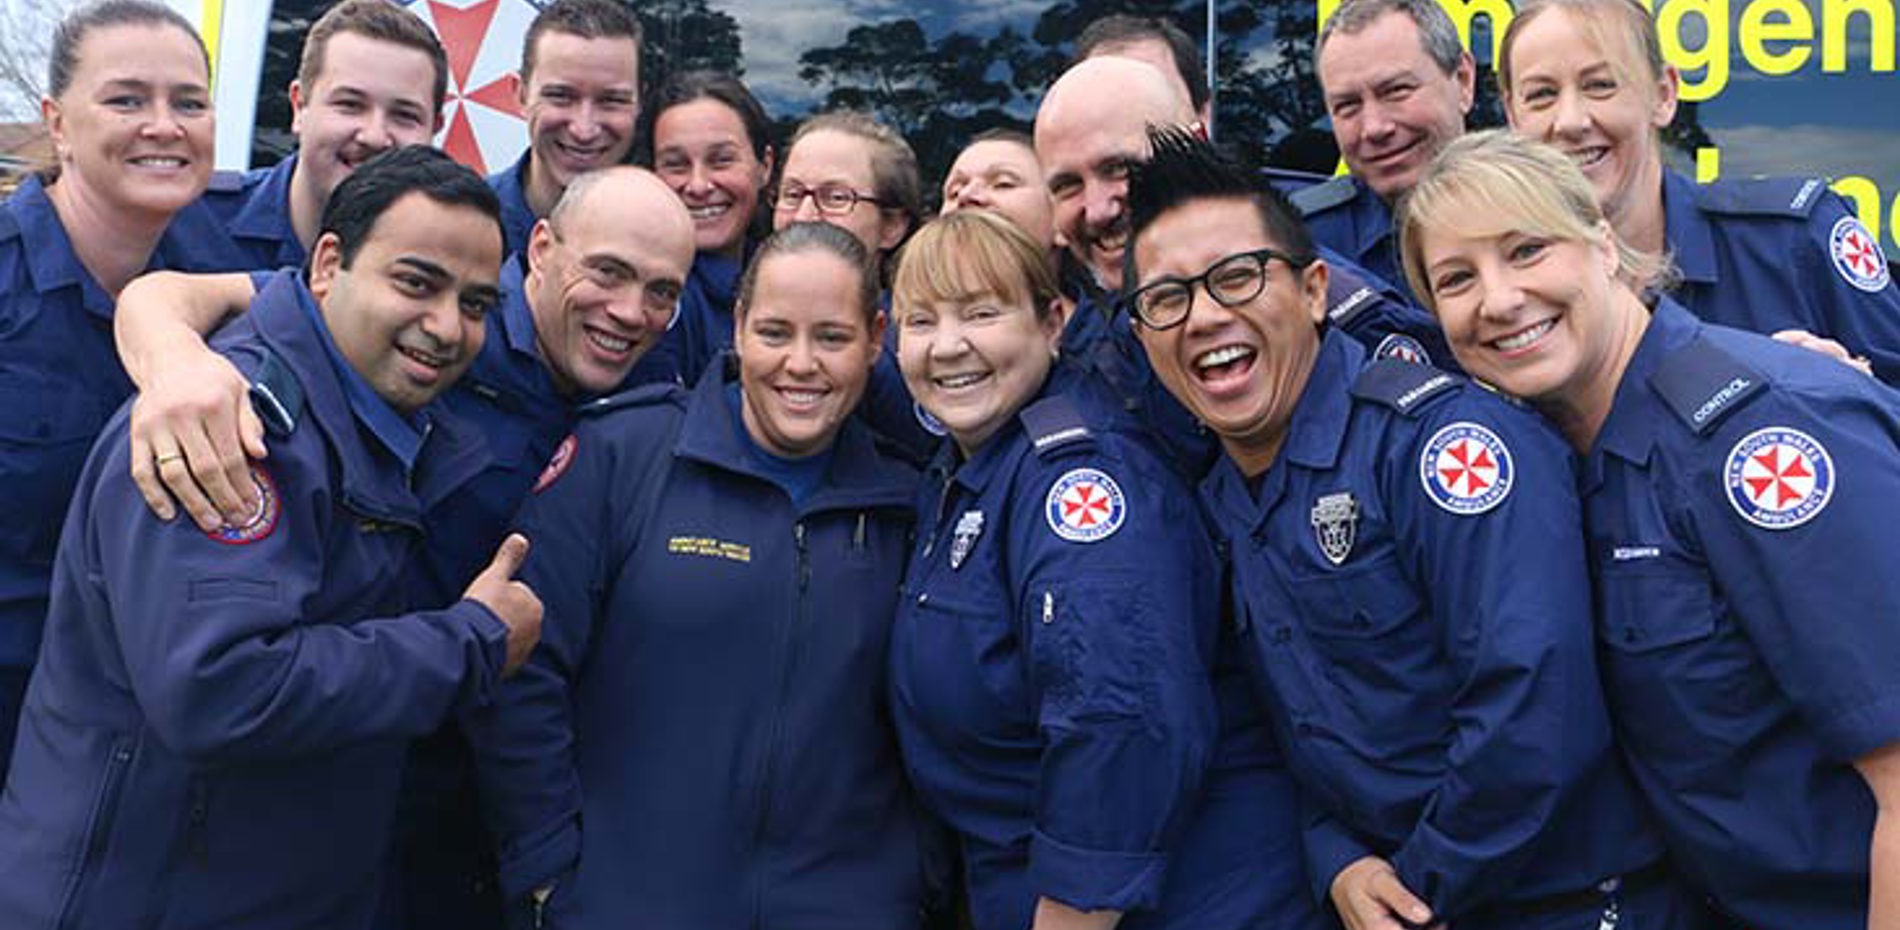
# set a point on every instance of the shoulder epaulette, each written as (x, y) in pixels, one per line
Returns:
(1784, 196)
(225, 182)
(1322, 197)
(1054, 423)
(646, 395)
(277, 395)
(1702, 384)
(1288, 180)
(1401, 385)
(1347, 296)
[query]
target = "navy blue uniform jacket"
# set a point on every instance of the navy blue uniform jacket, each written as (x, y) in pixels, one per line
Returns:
(217, 724)
(701, 739)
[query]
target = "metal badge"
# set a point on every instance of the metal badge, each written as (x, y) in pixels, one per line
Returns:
(969, 527)
(1336, 525)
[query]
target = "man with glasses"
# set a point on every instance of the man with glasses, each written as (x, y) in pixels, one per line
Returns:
(1089, 131)
(1409, 582)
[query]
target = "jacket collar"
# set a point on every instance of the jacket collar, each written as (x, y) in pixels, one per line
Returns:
(1315, 433)
(859, 476)
(265, 214)
(372, 478)
(1629, 431)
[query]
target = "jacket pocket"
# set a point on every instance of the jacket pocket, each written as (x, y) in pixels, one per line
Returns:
(1092, 653)
(1371, 602)
(99, 824)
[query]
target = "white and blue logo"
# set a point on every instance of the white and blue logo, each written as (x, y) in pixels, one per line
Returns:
(1466, 469)
(1857, 256)
(1402, 347)
(1778, 478)
(1085, 505)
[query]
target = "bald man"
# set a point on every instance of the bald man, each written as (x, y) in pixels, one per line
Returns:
(596, 294)
(1091, 126)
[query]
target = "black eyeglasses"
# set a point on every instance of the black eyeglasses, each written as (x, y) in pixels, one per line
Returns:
(1232, 281)
(831, 199)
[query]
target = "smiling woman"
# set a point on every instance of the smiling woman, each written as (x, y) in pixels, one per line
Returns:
(1739, 503)
(720, 569)
(1052, 672)
(1767, 255)
(129, 113)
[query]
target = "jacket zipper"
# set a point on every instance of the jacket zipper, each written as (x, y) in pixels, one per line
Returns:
(98, 829)
(802, 575)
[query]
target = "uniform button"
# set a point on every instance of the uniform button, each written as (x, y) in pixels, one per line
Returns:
(923, 599)
(1631, 634)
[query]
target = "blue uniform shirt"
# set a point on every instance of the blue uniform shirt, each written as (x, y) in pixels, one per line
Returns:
(60, 380)
(1414, 600)
(1051, 683)
(218, 722)
(242, 223)
(517, 218)
(1741, 501)
(701, 739)
(1344, 215)
(1780, 253)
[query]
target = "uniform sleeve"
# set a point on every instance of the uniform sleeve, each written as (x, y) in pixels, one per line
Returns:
(1866, 321)
(1113, 622)
(1330, 846)
(524, 743)
(1818, 597)
(1511, 588)
(224, 654)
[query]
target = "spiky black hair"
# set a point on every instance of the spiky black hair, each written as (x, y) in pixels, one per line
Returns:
(1183, 168)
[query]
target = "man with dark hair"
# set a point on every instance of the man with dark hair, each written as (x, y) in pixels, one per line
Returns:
(1090, 130)
(579, 88)
(581, 306)
(372, 77)
(1408, 574)
(1397, 84)
(1161, 44)
(220, 719)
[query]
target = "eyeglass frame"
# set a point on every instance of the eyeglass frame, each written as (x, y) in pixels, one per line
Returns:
(816, 195)
(1204, 279)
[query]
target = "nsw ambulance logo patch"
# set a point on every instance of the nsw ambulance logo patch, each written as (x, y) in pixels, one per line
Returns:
(1085, 505)
(1778, 478)
(258, 526)
(1466, 469)
(1857, 256)
(1402, 347)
